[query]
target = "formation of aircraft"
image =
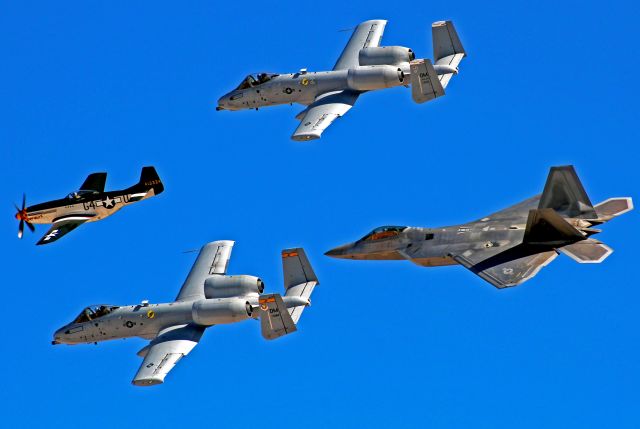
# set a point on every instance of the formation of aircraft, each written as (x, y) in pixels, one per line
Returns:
(505, 248)
(508, 247)
(208, 297)
(88, 204)
(363, 66)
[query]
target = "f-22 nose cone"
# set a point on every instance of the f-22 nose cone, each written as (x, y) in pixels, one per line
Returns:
(340, 251)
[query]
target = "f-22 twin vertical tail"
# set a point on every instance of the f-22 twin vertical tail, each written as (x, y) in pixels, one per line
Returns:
(508, 247)
(363, 66)
(89, 204)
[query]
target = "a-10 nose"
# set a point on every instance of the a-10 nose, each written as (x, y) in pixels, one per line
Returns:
(222, 102)
(58, 336)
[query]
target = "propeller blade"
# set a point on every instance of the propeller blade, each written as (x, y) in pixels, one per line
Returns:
(16, 206)
(20, 228)
(24, 201)
(31, 227)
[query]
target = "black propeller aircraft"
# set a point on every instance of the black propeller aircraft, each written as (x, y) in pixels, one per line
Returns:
(89, 204)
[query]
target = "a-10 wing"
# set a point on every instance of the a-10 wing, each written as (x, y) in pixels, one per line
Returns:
(212, 259)
(321, 113)
(366, 35)
(164, 352)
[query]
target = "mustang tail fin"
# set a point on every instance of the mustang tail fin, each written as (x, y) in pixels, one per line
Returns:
(447, 50)
(148, 186)
(275, 320)
(425, 85)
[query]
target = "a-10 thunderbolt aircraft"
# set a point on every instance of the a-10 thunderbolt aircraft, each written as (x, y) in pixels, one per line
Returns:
(208, 297)
(363, 66)
(508, 247)
(89, 204)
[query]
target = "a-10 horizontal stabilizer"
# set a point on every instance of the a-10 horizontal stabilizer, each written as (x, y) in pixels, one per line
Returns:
(425, 85)
(587, 252)
(275, 320)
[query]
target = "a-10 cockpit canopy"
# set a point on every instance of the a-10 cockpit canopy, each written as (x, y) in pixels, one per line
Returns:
(256, 79)
(384, 232)
(79, 194)
(94, 312)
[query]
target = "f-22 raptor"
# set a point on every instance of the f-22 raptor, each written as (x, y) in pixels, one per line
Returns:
(508, 247)
(363, 66)
(89, 204)
(208, 297)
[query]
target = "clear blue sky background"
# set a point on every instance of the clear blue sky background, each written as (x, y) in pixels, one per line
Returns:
(112, 86)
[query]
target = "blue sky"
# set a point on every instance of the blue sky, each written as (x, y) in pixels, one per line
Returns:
(113, 86)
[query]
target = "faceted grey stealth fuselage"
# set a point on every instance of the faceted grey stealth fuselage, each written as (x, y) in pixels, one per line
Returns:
(208, 297)
(363, 66)
(508, 247)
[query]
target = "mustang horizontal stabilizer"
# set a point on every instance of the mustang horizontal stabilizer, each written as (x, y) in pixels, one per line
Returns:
(61, 227)
(506, 269)
(425, 84)
(275, 320)
(164, 352)
(447, 49)
(564, 193)
(94, 182)
(546, 227)
(321, 113)
(587, 252)
(299, 279)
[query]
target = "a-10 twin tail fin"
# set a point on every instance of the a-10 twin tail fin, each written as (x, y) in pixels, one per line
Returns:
(279, 315)
(428, 80)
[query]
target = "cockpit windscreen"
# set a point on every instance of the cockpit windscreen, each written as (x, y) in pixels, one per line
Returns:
(384, 232)
(94, 312)
(256, 79)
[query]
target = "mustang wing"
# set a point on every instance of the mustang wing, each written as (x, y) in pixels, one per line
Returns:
(63, 226)
(94, 182)
(212, 259)
(164, 352)
(321, 113)
(366, 35)
(508, 268)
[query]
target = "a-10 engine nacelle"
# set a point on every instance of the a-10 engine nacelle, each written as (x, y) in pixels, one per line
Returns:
(374, 77)
(209, 312)
(221, 286)
(381, 55)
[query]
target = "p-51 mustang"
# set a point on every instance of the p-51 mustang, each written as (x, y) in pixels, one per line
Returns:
(89, 204)
(208, 297)
(363, 66)
(507, 247)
